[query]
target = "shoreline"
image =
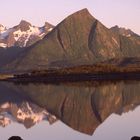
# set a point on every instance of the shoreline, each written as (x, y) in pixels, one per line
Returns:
(58, 78)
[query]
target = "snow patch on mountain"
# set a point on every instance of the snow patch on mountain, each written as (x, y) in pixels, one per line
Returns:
(23, 34)
(50, 29)
(124, 32)
(26, 113)
(2, 28)
(129, 35)
(3, 45)
(115, 41)
(26, 34)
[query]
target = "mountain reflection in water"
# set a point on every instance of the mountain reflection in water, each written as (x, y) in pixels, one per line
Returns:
(82, 106)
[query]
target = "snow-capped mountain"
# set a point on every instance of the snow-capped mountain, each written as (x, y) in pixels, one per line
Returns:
(124, 32)
(22, 35)
(25, 113)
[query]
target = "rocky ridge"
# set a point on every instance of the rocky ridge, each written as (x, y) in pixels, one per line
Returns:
(22, 35)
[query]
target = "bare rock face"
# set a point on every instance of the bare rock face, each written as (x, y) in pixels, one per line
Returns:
(10, 40)
(48, 27)
(23, 26)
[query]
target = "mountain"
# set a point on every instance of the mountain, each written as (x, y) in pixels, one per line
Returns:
(25, 113)
(83, 106)
(80, 39)
(22, 35)
(124, 31)
(18, 108)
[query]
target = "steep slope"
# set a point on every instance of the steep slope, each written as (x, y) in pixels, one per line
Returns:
(79, 39)
(22, 35)
(7, 55)
(130, 41)
(13, 41)
(82, 106)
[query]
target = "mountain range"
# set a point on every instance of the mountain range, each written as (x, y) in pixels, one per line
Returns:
(80, 39)
(24, 113)
(24, 34)
(83, 106)
(16, 108)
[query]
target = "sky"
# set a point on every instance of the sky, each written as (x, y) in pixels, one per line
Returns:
(125, 13)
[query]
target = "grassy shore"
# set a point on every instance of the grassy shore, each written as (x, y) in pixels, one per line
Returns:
(6, 76)
(81, 73)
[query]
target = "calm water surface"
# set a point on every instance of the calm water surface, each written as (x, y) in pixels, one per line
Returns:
(81, 111)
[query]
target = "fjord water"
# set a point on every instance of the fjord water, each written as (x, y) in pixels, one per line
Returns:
(84, 110)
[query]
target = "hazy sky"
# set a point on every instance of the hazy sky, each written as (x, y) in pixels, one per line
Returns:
(125, 13)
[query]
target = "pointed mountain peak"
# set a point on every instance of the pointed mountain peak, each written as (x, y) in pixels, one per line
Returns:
(79, 17)
(115, 27)
(82, 12)
(48, 25)
(24, 22)
(24, 25)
